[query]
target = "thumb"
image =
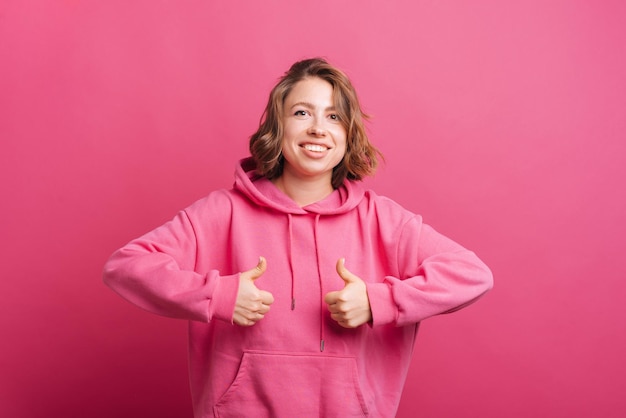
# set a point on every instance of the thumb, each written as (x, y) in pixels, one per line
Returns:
(258, 271)
(344, 273)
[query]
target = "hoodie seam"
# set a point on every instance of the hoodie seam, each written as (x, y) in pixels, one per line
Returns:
(195, 240)
(403, 229)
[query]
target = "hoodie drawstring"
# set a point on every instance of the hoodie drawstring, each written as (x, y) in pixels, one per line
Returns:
(290, 250)
(319, 275)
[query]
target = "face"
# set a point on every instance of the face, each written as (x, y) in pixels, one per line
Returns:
(314, 140)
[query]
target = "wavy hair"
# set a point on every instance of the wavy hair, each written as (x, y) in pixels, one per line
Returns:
(361, 158)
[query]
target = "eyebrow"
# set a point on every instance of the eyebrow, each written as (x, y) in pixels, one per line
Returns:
(310, 106)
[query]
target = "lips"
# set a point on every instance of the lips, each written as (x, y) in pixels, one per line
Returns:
(314, 147)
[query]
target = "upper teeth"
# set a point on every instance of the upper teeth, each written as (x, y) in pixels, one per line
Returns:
(314, 147)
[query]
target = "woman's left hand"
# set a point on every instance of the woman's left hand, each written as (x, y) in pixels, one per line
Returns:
(350, 307)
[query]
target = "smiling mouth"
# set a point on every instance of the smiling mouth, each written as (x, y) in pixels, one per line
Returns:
(314, 147)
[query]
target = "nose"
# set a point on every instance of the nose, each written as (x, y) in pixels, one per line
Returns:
(316, 129)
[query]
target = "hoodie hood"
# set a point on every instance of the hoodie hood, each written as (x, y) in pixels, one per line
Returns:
(263, 192)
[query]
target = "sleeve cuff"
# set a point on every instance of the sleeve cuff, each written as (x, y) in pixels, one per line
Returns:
(383, 307)
(222, 304)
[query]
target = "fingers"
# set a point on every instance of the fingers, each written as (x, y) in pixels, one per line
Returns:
(258, 270)
(331, 298)
(247, 319)
(334, 298)
(266, 298)
(252, 303)
(348, 319)
(344, 273)
(341, 267)
(349, 307)
(250, 313)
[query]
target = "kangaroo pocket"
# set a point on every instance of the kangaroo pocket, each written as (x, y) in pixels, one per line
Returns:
(270, 384)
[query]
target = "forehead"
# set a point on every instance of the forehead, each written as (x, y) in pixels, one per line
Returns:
(312, 91)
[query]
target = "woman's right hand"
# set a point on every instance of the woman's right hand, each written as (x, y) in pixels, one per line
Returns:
(252, 303)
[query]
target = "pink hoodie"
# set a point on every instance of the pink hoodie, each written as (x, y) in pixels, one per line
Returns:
(297, 361)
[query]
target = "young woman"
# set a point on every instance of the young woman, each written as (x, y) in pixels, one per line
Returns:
(324, 325)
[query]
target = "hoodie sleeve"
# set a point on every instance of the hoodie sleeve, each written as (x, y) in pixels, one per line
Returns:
(156, 273)
(435, 276)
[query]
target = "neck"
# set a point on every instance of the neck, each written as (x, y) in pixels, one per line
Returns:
(304, 192)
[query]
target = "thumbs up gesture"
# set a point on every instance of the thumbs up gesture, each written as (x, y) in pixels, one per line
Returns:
(252, 304)
(350, 307)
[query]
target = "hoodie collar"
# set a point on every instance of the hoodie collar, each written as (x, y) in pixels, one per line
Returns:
(264, 193)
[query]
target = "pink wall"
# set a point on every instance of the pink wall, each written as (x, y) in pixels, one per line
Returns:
(502, 123)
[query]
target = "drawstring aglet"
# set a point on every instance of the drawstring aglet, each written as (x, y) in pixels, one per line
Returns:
(293, 304)
(321, 345)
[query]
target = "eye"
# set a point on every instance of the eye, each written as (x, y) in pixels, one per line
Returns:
(334, 117)
(300, 113)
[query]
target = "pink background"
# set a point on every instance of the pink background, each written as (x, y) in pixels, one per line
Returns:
(502, 124)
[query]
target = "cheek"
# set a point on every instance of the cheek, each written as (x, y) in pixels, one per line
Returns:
(342, 140)
(340, 134)
(291, 131)
(342, 144)
(287, 139)
(342, 147)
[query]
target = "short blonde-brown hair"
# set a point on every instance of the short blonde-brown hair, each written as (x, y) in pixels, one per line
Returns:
(361, 158)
